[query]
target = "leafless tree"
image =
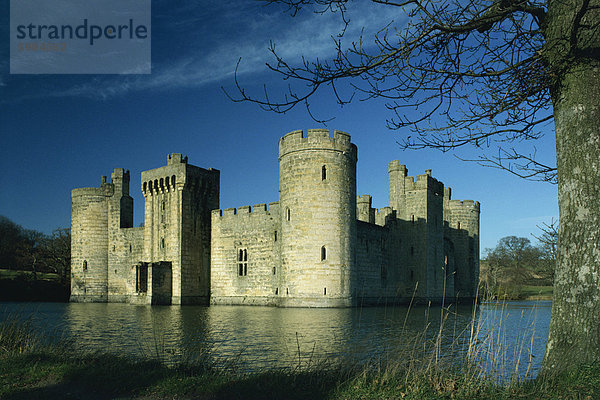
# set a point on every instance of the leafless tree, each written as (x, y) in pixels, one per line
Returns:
(487, 73)
(426, 72)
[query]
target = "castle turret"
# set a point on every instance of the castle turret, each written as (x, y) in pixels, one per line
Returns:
(461, 220)
(89, 243)
(419, 205)
(364, 211)
(317, 200)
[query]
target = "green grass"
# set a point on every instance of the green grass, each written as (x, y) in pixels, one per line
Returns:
(28, 275)
(34, 368)
(537, 292)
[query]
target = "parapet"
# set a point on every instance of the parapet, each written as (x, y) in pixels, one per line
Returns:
(105, 189)
(255, 210)
(383, 216)
(316, 139)
(176, 158)
(464, 204)
(365, 198)
(396, 166)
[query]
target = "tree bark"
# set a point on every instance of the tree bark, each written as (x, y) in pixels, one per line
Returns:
(574, 337)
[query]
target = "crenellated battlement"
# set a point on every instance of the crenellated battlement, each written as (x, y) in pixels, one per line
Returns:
(384, 215)
(316, 139)
(257, 209)
(365, 198)
(176, 158)
(464, 204)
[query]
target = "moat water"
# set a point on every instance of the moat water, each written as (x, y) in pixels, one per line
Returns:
(508, 337)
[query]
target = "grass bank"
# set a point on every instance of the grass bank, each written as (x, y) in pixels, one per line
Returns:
(32, 367)
(24, 286)
(523, 292)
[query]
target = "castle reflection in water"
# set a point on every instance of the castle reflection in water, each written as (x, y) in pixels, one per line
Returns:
(254, 338)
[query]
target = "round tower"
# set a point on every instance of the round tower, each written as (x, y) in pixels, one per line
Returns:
(89, 243)
(317, 202)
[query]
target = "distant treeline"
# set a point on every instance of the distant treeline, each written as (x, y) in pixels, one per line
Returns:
(34, 266)
(514, 266)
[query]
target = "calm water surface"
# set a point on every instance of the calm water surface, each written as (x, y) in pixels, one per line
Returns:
(508, 335)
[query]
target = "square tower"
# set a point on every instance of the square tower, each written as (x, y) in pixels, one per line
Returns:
(178, 200)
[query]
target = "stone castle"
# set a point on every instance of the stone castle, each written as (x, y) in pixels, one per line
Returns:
(319, 246)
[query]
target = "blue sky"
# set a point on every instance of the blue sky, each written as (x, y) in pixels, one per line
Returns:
(60, 132)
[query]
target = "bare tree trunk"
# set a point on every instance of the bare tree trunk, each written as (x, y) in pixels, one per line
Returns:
(574, 337)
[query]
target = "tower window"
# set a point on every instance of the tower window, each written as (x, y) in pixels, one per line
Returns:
(173, 180)
(323, 172)
(325, 291)
(242, 262)
(163, 206)
(162, 243)
(145, 186)
(275, 236)
(274, 270)
(84, 265)
(287, 213)
(413, 219)
(323, 253)
(459, 225)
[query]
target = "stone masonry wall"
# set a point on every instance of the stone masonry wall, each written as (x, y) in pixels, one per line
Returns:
(245, 267)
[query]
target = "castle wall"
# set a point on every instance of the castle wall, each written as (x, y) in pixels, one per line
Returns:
(317, 199)
(245, 260)
(126, 252)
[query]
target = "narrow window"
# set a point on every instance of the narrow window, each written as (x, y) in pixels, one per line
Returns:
(275, 236)
(325, 291)
(242, 258)
(413, 219)
(167, 181)
(130, 249)
(162, 242)
(287, 291)
(274, 270)
(459, 225)
(276, 291)
(323, 172)
(145, 186)
(163, 206)
(162, 183)
(84, 265)
(323, 253)
(288, 214)
(173, 180)
(156, 185)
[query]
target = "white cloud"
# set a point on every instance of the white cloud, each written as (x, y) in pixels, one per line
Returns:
(308, 35)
